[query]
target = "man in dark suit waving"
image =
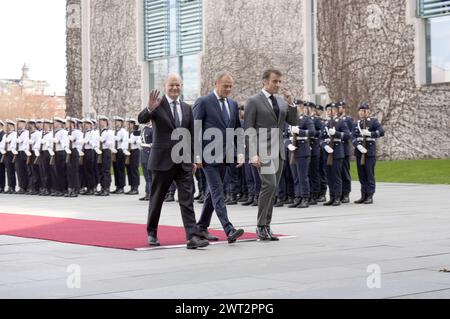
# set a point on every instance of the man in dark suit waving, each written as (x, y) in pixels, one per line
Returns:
(167, 115)
(219, 113)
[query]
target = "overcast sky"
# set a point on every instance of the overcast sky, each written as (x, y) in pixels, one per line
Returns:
(33, 32)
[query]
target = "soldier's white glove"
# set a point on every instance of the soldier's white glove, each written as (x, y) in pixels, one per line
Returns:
(42, 142)
(329, 150)
(3, 152)
(28, 153)
(117, 138)
(332, 131)
(71, 138)
(14, 152)
(7, 140)
(114, 151)
(36, 153)
(295, 130)
(362, 149)
(366, 133)
(98, 151)
(292, 148)
(81, 153)
(68, 151)
(102, 139)
(51, 152)
(126, 153)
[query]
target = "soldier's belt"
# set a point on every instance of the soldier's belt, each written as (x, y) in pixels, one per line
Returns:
(302, 138)
(146, 145)
(336, 140)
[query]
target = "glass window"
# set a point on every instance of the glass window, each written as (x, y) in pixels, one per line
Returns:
(190, 67)
(438, 49)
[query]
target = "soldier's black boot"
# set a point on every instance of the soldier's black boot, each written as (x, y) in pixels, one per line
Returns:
(313, 199)
(321, 198)
(289, 200)
(170, 198)
(44, 192)
(83, 191)
(336, 203)
(280, 202)
(362, 199)
(69, 192)
(330, 202)
(304, 203)
(248, 202)
(255, 201)
(133, 191)
(345, 198)
(202, 199)
(243, 198)
(90, 192)
(369, 200)
(296, 202)
(232, 200)
(2, 190)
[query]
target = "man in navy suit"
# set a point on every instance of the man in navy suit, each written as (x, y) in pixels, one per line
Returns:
(218, 112)
(170, 114)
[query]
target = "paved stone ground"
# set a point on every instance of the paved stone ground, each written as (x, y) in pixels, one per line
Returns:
(406, 234)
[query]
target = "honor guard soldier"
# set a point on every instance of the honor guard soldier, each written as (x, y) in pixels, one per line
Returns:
(132, 156)
(2, 164)
(314, 166)
(89, 160)
(74, 151)
(105, 151)
(333, 134)
(365, 133)
(286, 187)
(323, 159)
(346, 177)
(8, 153)
(96, 138)
(34, 186)
(118, 158)
(40, 125)
(300, 156)
(146, 147)
(23, 145)
(45, 153)
(61, 145)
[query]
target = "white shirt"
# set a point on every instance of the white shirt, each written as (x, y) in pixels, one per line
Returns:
(78, 140)
(135, 141)
(90, 140)
(47, 141)
(108, 139)
(24, 141)
(227, 107)
(180, 115)
(122, 139)
(61, 140)
(35, 140)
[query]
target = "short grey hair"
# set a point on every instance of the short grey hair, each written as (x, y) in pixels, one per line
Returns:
(219, 75)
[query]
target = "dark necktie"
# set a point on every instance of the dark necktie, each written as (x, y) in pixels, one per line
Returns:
(225, 115)
(275, 105)
(175, 114)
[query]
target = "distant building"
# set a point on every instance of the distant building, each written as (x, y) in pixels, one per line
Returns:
(25, 84)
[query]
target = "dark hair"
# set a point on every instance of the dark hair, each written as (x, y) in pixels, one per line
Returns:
(267, 73)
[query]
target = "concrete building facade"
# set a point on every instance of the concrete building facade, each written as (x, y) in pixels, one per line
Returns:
(390, 54)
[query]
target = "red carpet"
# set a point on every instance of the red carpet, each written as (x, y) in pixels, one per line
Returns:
(93, 233)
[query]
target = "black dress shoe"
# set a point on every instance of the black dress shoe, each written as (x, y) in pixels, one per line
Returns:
(243, 198)
(329, 203)
(90, 192)
(145, 198)
(280, 202)
(261, 232)
(321, 198)
(304, 203)
(83, 191)
(206, 235)
(153, 241)
(255, 202)
(11, 191)
(119, 191)
(234, 235)
(345, 199)
(270, 234)
(44, 192)
(248, 202)
(59, 194)
(21, 192)
(196, 242)
(313, 200)
(232, 200)
(336, 203)
(2, 190)
(369, 200)
(133, 191)
(289, 201)
(296, 202)
(170, 198)
(362, 199)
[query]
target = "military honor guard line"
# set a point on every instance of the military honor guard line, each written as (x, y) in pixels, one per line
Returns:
(69, 157)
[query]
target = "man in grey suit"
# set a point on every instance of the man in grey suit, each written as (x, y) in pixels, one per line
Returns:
(265, 117)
